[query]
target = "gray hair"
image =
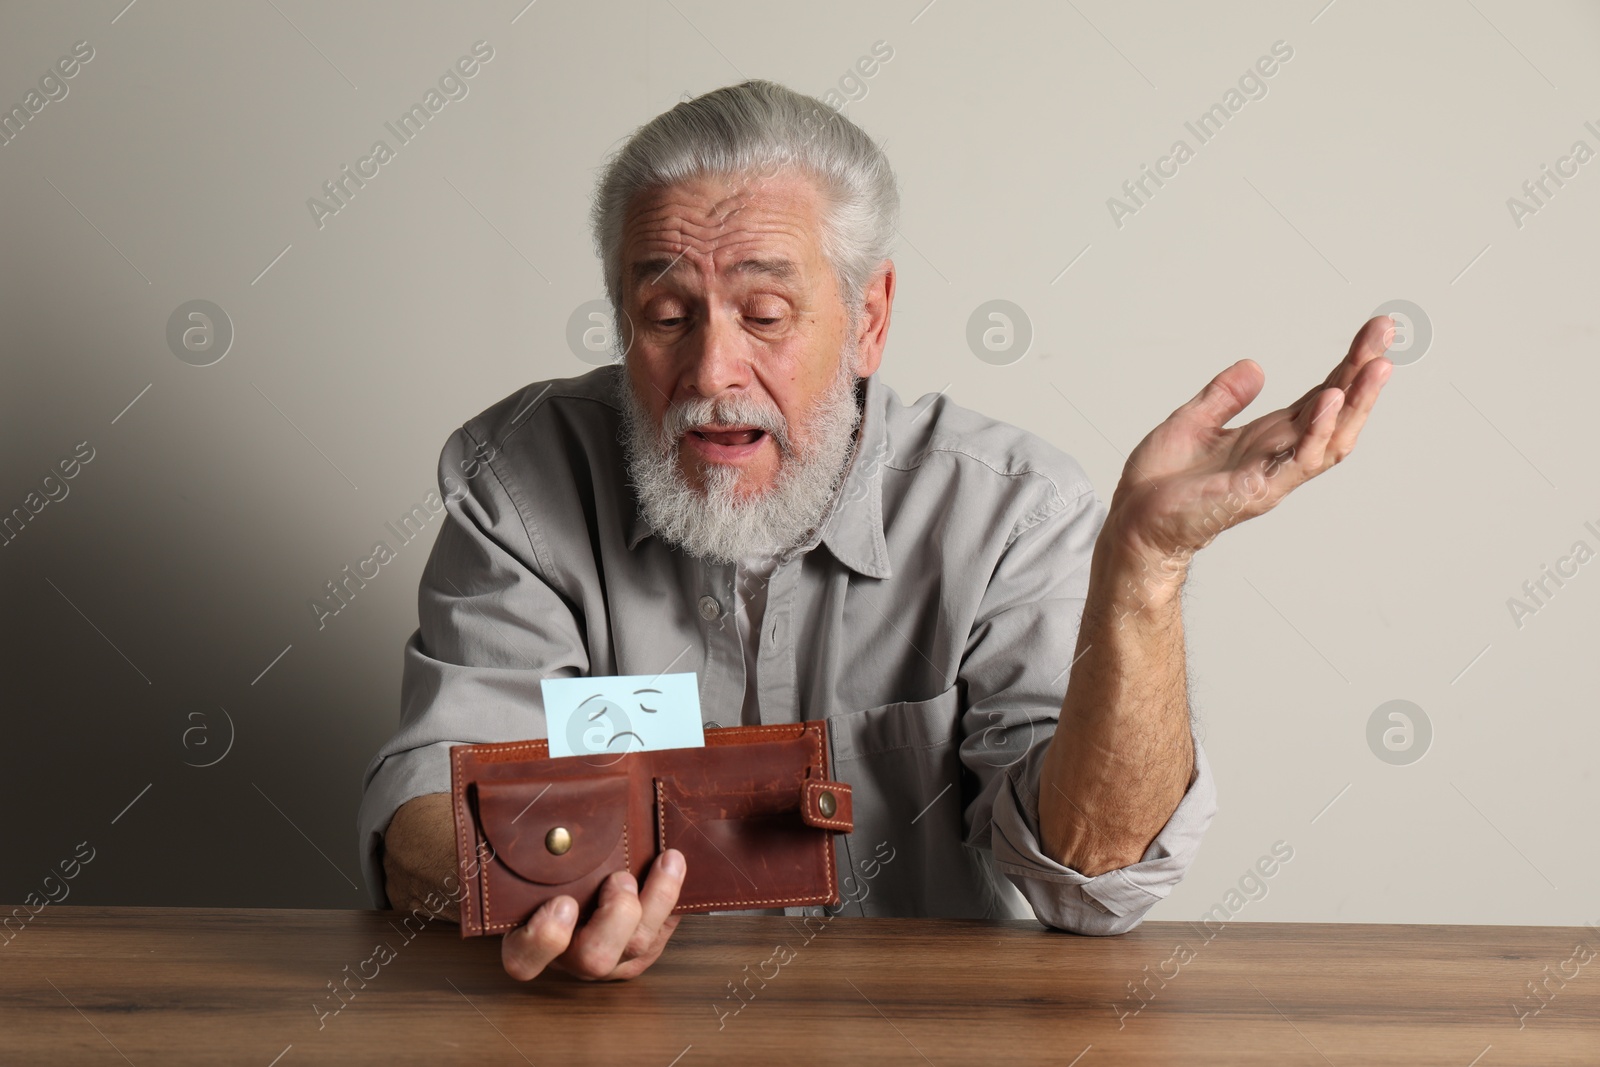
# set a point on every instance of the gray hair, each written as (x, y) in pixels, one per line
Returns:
(755, 130)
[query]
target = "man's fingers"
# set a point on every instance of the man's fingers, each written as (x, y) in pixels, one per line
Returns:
(530, 948)
(1368, 344)
(597, 948)
(636, 966)
(626, 933)
(1359, 400)
(1323, 420)
(657, 899)
(651, 929)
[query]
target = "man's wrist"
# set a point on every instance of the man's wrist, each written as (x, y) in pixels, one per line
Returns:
(1140, 578)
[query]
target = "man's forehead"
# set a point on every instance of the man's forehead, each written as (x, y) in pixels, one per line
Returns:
(651, 268)
(751, 229)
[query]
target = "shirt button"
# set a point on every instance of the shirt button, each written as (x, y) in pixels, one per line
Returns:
(709, 608)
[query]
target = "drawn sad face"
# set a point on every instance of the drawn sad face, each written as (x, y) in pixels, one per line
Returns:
(601, 725)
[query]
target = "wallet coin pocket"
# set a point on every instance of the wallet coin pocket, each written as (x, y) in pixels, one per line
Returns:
(553, 832)
(544, 839)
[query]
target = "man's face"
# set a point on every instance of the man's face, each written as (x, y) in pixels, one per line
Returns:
(733, 302)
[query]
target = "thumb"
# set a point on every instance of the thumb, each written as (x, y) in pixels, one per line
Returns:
(1229, 393)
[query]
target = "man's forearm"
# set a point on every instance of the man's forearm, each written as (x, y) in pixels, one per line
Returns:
(1122, 754)
(419, 857)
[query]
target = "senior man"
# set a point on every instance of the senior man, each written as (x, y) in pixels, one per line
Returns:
(999, 655)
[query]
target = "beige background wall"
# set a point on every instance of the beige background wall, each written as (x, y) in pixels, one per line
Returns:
(145, 607)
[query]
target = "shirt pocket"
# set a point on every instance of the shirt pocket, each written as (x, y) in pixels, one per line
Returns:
(907, 724)
(902, 763)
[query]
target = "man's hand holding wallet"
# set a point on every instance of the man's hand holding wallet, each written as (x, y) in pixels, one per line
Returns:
(623, 937)
(624, 934)
(554, 836)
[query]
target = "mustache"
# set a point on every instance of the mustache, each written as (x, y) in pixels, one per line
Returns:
(684, 415)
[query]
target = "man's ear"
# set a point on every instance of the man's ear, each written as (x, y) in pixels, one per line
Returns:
(877, 304)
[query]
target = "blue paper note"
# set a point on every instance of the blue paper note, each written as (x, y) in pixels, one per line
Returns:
(615, 714)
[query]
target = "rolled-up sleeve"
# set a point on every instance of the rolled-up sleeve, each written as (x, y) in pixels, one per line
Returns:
(1016, 673)
(489, 628)
(1113, 902)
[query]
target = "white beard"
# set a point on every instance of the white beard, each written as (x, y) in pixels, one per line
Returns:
(718, 525)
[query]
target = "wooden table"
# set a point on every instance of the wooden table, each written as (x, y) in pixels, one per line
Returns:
(89, 985)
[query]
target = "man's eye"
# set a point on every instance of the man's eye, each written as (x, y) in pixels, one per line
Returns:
(669, 324)
(762, 321)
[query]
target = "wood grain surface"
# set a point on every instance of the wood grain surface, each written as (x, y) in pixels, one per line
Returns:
(96, 985)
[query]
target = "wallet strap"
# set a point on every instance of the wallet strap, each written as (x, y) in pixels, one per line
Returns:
(826, 805)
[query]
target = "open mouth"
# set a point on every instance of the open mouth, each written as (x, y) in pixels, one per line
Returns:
(737, 436)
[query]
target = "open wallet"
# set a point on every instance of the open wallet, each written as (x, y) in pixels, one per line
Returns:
(753, 812)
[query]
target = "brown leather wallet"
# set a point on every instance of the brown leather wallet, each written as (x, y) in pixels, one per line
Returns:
(753, 812)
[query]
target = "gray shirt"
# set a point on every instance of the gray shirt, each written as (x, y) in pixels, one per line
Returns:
(931, 619)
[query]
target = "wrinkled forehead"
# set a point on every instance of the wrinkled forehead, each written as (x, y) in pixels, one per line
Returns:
(763, 226)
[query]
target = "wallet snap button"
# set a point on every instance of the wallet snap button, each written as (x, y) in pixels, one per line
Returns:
(558, 840)
(826, 804)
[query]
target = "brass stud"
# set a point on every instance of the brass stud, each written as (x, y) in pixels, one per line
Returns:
(826, 804)
(558, 840)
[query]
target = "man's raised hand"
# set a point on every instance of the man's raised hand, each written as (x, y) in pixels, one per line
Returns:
(1190, 478)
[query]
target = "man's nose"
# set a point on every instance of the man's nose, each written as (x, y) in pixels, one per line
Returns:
(718, 357)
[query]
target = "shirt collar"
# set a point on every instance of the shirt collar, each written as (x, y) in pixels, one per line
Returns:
(853, 525)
